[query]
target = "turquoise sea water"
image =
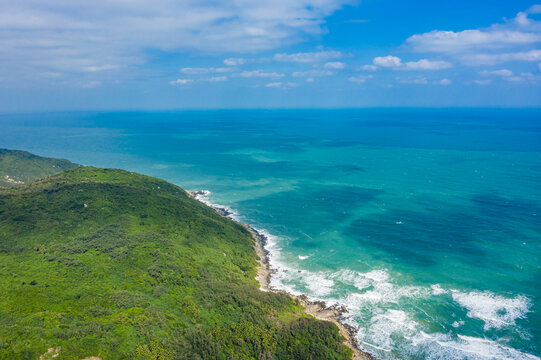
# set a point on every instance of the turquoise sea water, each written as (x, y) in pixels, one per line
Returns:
(426, 224)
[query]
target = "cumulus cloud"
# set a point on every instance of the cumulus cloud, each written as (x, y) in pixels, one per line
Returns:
(425, 64)
(234, 61)
(513, 40)
(358, 79)
(482, 82)
(507, 75)
(522, 77)
(199, 70)
(280, 85)
(445, 82)
(216, 79)
(368, 68)
(502, 72)
(100, 68)
(313, 73)
(493, 59)
(452, 42)
(335, 65)
(211, 79)
(194, 71)
(309, 57)
(420, 81)
(276, 84)
(260, 73)
(181, 82)
(46, 36)
(397, 64)
(388, 61)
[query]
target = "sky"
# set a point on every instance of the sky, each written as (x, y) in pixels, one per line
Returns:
(203, 54)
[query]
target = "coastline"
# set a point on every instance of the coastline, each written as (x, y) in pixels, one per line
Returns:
(317, 309)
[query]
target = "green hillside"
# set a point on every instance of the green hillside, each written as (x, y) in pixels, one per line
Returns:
(117, 265)
(21, 167)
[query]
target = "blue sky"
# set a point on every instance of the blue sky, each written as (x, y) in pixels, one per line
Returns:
(175, 54)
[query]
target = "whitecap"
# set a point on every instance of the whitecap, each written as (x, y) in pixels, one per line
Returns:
(496, 311)
(350, 277)
(377, 275)
(387, 326)
(443, 346)
(302, 257)
(437, 289)
(319, 284)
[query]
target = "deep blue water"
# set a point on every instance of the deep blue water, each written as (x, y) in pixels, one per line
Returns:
(426, 224)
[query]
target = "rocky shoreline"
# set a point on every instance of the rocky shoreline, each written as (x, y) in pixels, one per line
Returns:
(317, 309)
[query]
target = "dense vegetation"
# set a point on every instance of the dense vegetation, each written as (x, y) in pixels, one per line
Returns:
(21, 167)
(117, 265)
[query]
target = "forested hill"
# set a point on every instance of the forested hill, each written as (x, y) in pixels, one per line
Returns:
(101, 263)
(21, 167)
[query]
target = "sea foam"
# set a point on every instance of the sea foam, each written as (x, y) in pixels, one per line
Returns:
(496, 311)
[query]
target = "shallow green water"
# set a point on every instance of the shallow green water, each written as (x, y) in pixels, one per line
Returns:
(424, 223)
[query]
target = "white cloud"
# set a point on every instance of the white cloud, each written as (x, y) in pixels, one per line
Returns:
(234, 61)
(493, 59)
(388, 61)
(515, 79)
(445, 82)
(368, 68)
(280, 85)
(260, 73)
(217, 79)
(357, 79)
(508, 75)
(99, 68)
(38, 36)
(308, 57)
(194, 71)
(180, 81)
(199, 71)
(313, 73)
(483, 82)
(502, 73)
(535, 9)
(335, 65)
(419, 80)
(513, 40)
(397, 64)
(425, 64)
(452, 42)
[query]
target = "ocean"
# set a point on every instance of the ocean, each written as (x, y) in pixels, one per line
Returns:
(424, 223)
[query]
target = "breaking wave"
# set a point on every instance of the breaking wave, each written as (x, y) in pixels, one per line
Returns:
(376, 307)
